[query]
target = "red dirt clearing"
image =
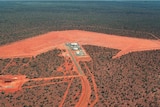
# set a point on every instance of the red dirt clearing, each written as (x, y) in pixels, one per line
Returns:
(10, 83)
(42, 43)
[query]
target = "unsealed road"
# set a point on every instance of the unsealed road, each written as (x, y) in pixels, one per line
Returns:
(86, 88)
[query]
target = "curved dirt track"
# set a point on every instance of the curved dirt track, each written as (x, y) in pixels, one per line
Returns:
(86, 92)
(42, 43)
(94, 86)
(65, 94)
(86, 89)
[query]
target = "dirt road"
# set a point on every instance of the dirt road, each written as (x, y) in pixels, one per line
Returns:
(86, 89)
(86, 92)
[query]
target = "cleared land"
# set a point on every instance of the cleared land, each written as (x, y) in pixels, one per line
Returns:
(43, 43)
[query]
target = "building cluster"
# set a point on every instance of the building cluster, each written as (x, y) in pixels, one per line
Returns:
(76, 47)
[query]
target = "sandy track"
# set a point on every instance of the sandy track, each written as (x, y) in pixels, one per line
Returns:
(42, 43)
(86, 92)
(86, 88)
(65, 94)
(21, 79)
(94, 85)
(60, 77)
(3, 70)
(51, 83)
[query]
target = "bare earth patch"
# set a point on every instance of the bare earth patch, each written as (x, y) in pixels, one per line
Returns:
(42, 43)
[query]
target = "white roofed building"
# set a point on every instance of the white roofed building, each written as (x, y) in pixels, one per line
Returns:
(74, 44)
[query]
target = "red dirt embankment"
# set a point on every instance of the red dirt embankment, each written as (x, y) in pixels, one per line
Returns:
(48, 41)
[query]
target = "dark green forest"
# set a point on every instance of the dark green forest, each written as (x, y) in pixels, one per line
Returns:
(20, 20)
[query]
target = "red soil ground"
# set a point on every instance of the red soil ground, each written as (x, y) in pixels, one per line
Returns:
(10, 83)
(45, 42)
